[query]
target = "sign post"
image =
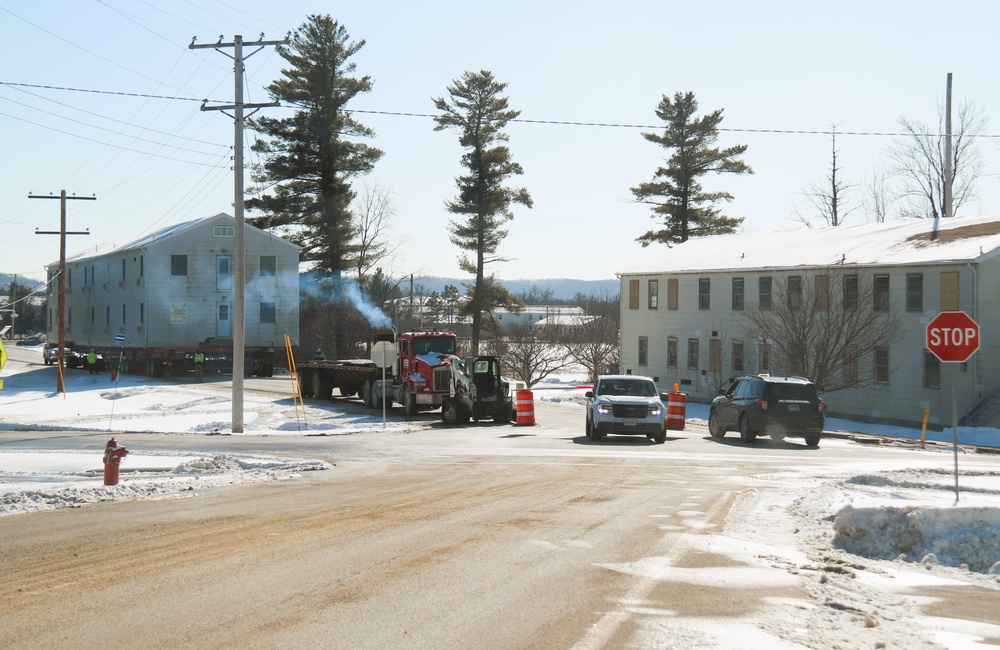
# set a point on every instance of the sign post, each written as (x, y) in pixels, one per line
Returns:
(3, 360)
(383, 355)
(953, 337)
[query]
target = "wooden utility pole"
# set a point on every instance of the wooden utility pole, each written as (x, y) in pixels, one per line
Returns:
(239, 269)
(60, 384)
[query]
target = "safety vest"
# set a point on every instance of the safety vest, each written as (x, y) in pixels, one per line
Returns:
(199, 357)
(91, 357)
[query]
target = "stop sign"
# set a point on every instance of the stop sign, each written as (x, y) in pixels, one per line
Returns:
(952, 336)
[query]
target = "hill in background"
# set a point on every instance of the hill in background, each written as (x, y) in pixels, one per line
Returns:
(561, 288)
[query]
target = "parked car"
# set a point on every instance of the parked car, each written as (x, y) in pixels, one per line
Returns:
(768, 405)
(34, 339)
(626, 405)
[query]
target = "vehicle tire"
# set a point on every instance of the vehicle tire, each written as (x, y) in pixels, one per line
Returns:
(595, 433)
(747, 435)
(812, 440)
(589, 430)
(661, 437)
(316, 385)
(714, 428)
(367, 394)
(409, 404)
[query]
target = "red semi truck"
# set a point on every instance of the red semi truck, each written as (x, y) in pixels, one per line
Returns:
(419, 379)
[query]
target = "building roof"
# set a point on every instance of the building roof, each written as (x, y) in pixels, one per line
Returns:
(895, 243)
(143, 240)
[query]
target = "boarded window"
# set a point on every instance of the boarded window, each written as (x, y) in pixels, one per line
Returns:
(672, 352)
(764, 293)
(738, 294)
(633, 294)
(949, 291)
(715, 355)
(821, 287)
(672, 293)
(914, 292)
(178, 312)
(653, 294)
(643, 351)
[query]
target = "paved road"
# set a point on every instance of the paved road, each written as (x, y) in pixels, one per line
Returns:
(489, 536)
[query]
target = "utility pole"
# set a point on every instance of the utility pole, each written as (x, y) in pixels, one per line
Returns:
(60, 383)
(239, 270)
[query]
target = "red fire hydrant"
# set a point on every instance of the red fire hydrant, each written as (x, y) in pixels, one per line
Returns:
(113, 455)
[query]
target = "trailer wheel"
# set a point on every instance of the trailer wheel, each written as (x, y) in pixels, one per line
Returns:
(367, 394)
(319, 387)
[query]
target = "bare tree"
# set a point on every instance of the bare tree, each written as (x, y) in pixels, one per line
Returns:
(878, 197)
(827, 326)
(530, 358)
(594, 344)
(372, 213)
(829, 199)
(919, 160)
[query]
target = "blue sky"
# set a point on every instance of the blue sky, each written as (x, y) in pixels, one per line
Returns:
(775, 66)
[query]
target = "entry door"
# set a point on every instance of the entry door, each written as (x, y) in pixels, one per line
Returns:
(223, 321)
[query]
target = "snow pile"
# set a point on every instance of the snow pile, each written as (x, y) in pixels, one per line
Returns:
(76, 488)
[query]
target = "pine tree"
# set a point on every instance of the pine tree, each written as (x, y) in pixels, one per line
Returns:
(675, 192)
(311, 156)
(479, 112)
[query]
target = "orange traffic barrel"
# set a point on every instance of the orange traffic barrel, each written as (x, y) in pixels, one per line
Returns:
(525, 407)
(676, 410)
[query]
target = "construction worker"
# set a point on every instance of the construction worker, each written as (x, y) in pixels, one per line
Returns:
(92, 362)
(199, 365)
(319, 356)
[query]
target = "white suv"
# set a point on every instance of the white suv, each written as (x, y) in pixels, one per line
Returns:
(628, 405)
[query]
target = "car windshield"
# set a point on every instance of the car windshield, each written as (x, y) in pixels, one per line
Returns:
(443, 345)
(630, 387)
(805, 392)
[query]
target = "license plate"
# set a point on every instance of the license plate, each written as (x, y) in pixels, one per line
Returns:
(629, 422)
(793, 407)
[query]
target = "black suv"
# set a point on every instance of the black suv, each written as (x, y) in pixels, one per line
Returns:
(766, 405)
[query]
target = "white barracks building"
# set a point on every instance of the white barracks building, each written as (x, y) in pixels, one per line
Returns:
(684, 311)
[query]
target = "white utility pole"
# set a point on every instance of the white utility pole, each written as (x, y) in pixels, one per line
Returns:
(239, 269)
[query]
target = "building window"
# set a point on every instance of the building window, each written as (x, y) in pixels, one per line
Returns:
(124, 311)
(715, 355)
(653, 294)
(851, 365)
(69, 278)
(123, 269)
(224, 231)
(737, 356)
(764, 293)
(765, 358)
(949, 291)
(704, 293)
(932, 370)
(142, 313)
(692, 354)
(881, 296)
(633, 294)
(268, 266)
(223, 273)
(107, 314)
(794, 291)
(643, 351)
(178, 312)
(178, 265)
(69, 316)
(914, 292)
(142, 266)
(672, 352)
(881, 365)
(850, 292)
(268, 313)
(821, 284)
(738, 294)
(672, 293)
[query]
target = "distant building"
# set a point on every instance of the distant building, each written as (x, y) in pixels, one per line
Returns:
(683, 311)
(532, 314)
(173, 288)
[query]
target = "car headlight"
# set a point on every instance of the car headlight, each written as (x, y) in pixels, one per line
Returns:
(655, 409)
(604, 408)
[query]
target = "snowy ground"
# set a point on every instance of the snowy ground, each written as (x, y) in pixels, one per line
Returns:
(895, 514)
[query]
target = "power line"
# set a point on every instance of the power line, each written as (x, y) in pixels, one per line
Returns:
(104, 92)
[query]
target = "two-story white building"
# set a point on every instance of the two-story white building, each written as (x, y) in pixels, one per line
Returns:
(172, 291)
(684, 310)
